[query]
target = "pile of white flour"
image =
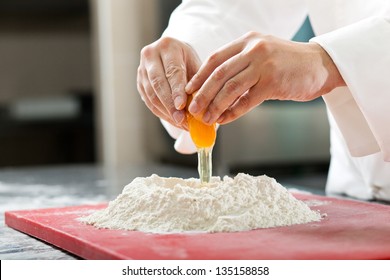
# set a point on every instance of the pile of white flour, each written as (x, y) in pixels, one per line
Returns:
(161, 205)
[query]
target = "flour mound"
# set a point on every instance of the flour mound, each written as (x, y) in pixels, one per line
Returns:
(162, 205)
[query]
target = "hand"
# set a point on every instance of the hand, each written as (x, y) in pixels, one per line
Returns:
(255, 68)
(165, 67)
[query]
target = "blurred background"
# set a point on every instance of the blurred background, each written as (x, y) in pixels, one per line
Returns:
(68, 96)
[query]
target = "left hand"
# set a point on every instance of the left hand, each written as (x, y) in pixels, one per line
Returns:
(255, 68)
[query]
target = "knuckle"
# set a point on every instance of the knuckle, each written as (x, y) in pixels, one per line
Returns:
(156, 83)
(261, 48)
(215, 108)
(147, 51)
(219, 74)
(165, 42)
(172, 70)
(213, 58)
(245, 101)
(251, 34)
(232, 85)
(231, 114)
(177, 91)
(264, 46)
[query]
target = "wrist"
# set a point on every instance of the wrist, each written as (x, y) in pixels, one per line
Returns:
(334, 78)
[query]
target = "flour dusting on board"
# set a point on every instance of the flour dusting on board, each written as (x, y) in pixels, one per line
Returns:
(165, 205)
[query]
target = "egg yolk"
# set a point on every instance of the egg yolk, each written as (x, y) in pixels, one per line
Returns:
(202, 134)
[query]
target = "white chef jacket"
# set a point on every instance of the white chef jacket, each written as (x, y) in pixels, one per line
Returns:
(356, 34)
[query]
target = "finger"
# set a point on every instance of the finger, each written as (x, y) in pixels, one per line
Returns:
(158, 113)
(175, 72)
(152, 69)
(140, 79)
(149, 94)
(245, 103)
(162, 91)
(216, 82)
(152, 99)
(160, 110)
(213, 61)
(146, 93)
(231, 91)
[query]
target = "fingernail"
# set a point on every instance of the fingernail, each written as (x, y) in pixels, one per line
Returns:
(188, 87)
(178, 116)
(194, 108)
(178, 102)
(220, 119)
(206, 117)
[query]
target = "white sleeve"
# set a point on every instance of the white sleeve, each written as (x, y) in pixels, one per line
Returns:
(183, 143)
(361, 52)
(209, 24)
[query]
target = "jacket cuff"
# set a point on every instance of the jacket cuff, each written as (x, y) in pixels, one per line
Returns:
(361, 53)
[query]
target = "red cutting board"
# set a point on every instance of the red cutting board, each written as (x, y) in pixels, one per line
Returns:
(351, 230)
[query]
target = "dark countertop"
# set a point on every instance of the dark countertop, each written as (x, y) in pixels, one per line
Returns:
(45, 187)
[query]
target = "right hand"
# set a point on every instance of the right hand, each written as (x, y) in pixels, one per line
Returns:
(242, 74)
(165, 68)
